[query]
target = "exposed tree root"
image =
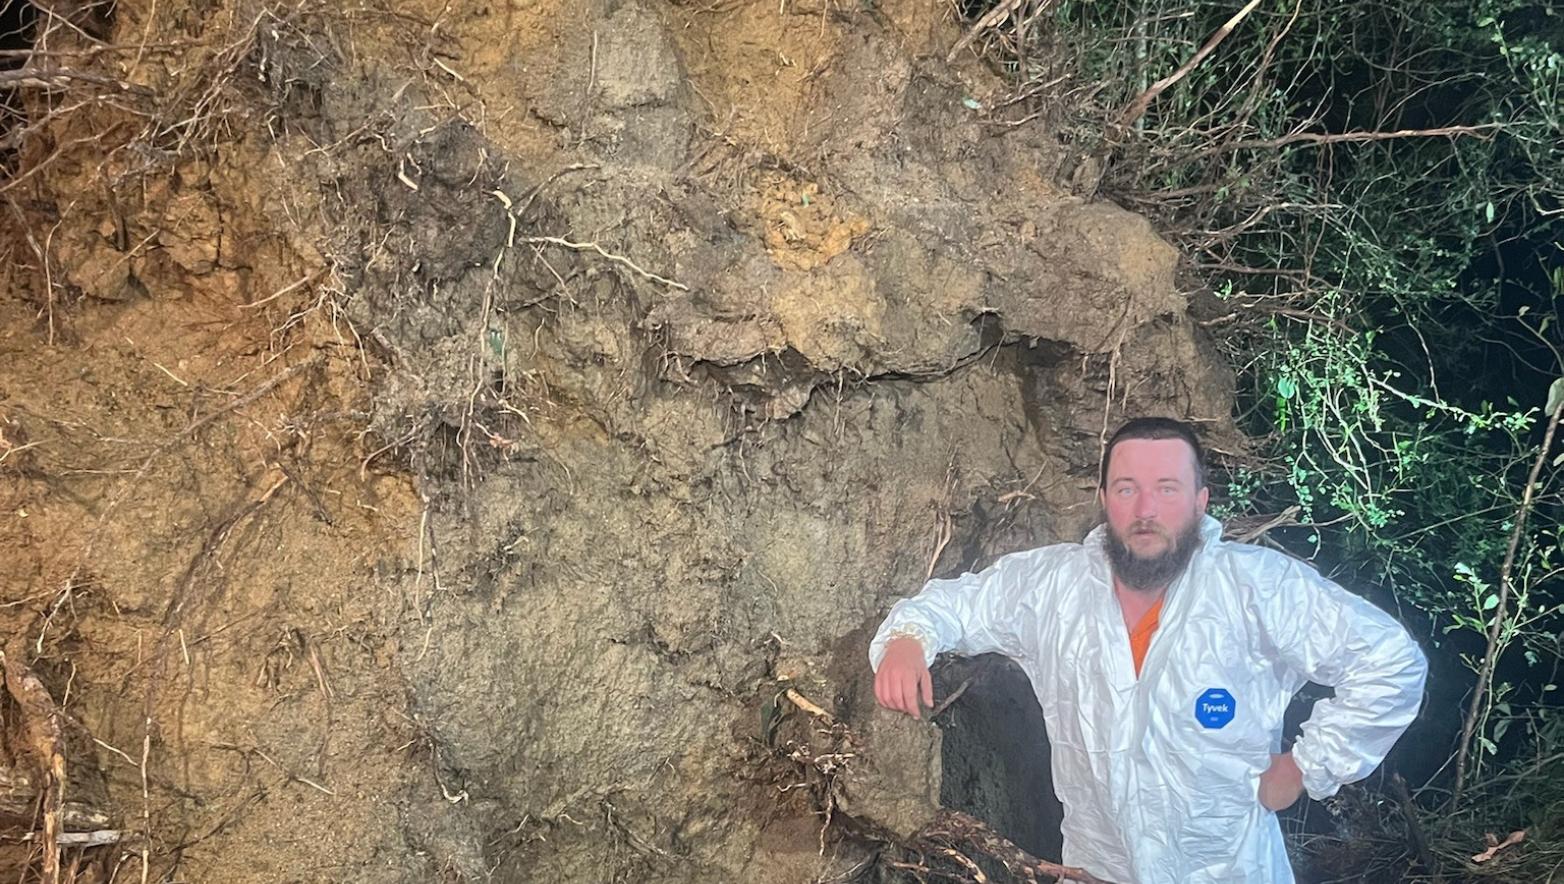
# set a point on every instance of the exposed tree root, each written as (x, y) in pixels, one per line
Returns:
(967, 836)
(36, 798)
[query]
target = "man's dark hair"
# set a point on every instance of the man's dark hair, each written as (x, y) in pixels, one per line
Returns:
(1156, 428)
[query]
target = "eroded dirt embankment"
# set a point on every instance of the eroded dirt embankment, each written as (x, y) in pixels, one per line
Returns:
(443, 458)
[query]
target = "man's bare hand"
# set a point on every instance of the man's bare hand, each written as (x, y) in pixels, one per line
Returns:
(903, 678)
(1282, 783)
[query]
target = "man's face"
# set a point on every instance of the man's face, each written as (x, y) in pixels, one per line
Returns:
(1153, 508)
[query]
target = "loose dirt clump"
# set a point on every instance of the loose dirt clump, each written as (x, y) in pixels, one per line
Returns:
(470, 449)
(802, 231)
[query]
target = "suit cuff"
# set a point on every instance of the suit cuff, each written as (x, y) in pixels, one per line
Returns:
(922, 634)
(1318, 780)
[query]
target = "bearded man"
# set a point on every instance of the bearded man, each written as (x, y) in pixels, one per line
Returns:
(1164, 659)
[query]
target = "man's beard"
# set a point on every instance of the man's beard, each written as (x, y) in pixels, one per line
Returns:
(1157, 571)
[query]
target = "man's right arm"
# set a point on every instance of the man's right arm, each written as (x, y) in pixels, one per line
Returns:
(993, 610)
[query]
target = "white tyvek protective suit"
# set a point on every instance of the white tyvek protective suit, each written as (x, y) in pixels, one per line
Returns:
(1160, 775)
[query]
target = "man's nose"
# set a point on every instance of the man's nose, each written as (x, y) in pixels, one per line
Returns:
(1145, 506)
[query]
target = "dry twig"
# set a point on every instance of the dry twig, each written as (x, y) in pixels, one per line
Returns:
(807, 705)
(953, 697)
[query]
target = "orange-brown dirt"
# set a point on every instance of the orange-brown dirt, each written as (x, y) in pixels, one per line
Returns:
(219, 581)
(433, 439)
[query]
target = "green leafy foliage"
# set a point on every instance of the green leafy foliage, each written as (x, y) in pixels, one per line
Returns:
(1374, 195)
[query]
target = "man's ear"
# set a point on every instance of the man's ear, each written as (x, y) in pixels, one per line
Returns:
(1102, 498)
(1203, 498)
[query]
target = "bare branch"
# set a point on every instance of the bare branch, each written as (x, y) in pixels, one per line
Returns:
(1500, 611)
(1143, 101)
(1484, 130)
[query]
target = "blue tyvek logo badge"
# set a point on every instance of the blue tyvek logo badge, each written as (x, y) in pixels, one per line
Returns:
(1215, 708)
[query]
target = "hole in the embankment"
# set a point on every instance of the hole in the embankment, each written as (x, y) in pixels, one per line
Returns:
(17, 18)
(22, 28)
(995, 753)
(16, 31)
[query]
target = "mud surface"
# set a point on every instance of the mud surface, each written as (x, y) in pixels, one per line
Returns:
(445, 465)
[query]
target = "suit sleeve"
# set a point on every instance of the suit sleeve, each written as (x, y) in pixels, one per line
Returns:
(994, 610)
(1336, 638)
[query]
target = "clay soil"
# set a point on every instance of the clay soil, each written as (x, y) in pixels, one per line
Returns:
(435, 440)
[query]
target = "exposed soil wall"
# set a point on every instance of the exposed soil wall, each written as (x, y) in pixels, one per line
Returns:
(444, 460)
